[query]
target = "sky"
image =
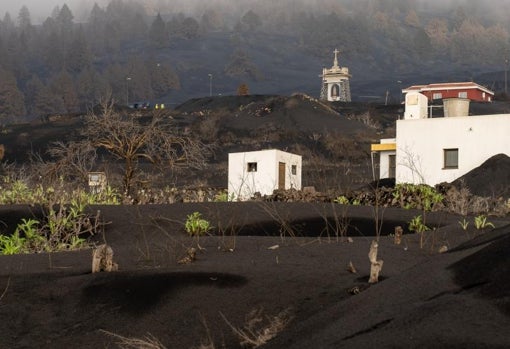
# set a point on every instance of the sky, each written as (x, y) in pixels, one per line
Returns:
(41, 9)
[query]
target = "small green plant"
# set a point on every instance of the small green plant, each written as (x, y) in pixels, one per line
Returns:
(223, 197)
(343, 200)
(482, 223)
(464, 224)
(196, 226)
(26, 238)
(33, 240)
(416, 224)
(13, 244)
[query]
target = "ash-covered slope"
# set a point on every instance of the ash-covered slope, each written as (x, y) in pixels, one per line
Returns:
(454, 300)
(490, 179)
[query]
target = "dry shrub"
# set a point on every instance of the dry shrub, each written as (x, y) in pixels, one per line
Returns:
(458, 200)
(461, 201)
(208, 128)
(366, 119)
(340, 146)
(209, 341)
(479, 205)
(259, 329)
(147, 342)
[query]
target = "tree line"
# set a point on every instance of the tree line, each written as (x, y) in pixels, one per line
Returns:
(65, 66)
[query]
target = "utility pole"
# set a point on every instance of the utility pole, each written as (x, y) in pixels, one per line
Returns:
(127, 90)
(210, 85)
(506, 77)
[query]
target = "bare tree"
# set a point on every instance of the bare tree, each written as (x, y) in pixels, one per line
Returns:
(153, 138)
(72, 160)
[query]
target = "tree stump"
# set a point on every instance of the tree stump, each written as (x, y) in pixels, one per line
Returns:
(102, 259)
(375, 265)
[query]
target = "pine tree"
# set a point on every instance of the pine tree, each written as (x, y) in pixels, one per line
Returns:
(157, 33)
(12, 104)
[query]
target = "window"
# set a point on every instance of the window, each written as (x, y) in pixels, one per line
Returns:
(252, 167)
(293, 169)
(392, 164)
(463, 94)
(437, 95)
(451, 158)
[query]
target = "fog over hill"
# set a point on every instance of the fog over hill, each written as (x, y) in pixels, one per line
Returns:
(63, 57)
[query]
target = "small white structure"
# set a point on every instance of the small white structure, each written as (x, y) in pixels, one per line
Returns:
(97, 182)
(335, 82)
(416, 106)
(262, 172)
(434, 150)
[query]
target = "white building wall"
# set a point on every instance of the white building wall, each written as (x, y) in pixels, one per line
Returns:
(292, 181)
(384, 163)
(416, 106)
(421, 144)
(384, 158)
(242, 184)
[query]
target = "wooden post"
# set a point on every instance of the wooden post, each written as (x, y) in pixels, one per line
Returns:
(398, 235)
(375, 265)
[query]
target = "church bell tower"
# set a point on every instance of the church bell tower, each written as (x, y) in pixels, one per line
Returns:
(335, 82)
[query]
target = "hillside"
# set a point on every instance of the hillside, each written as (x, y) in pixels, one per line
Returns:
(331, 137)
(184, 51)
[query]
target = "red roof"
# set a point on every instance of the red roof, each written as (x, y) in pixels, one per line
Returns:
(448, 86)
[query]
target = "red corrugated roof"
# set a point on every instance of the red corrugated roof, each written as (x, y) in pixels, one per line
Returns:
(448, 86)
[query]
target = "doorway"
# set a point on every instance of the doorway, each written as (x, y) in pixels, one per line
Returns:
(281, 175)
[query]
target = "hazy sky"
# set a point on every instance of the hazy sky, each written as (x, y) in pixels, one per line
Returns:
(41, 9)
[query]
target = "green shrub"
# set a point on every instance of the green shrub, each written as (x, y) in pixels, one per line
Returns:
(61, 229)
(419, 196)
(13, 244)
(222, 197)
(195, 225)
(18, 192)
(416, 224)
(342, 199)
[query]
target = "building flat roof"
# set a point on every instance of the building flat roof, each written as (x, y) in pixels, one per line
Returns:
(448, 86)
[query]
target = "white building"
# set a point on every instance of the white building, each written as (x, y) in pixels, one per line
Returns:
(335, 82)
(434, 150)
(262, 172)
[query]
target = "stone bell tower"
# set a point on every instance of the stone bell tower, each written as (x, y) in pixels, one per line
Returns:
(335, 82)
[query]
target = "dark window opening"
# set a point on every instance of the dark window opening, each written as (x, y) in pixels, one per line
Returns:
(293, 169)
(451, 158)
(392, 165)
(252, 167)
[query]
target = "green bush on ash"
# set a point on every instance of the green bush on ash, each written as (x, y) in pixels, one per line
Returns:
(63, 228)
(196, 226)
(418, 196)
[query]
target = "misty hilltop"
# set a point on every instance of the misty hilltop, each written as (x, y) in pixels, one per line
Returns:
(171, 51)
